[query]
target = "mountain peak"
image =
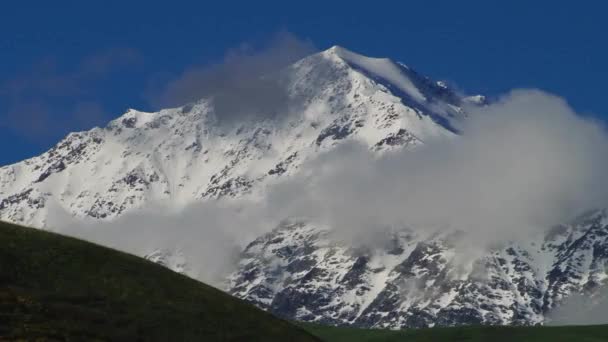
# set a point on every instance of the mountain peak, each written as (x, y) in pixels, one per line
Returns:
(183, 155)
(338, 50)
(347, 54)
(379, 68)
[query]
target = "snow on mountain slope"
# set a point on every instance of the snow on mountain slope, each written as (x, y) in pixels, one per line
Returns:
(185, 154)
(417, 280)
(383, 68)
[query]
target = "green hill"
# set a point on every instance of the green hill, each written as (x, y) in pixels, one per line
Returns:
(593, 333)
(59, 288)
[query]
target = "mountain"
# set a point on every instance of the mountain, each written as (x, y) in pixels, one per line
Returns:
(187, 154)
(54, 288)
(416, 280)
(194, 153)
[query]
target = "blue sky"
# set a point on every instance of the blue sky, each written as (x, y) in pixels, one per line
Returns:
(68, 66)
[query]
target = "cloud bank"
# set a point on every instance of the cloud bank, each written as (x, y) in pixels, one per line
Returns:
(209, 235)
(522, 165)
(581, 309)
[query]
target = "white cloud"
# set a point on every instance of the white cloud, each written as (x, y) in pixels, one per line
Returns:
(581, 309)
(522, 165)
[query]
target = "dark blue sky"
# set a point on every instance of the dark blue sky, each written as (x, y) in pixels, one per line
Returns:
(68, 66)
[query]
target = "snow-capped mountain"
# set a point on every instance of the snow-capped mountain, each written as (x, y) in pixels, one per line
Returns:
(420, 280)
(188, 154)
(185, 154)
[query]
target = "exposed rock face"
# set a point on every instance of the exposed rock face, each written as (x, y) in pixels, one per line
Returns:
(299, 272)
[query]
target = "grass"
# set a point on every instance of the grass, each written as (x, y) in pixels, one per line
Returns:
(594, 333)
(59, 288)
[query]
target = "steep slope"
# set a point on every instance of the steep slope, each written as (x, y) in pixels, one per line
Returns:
(185, 154)
(420, 280)
(58, 288)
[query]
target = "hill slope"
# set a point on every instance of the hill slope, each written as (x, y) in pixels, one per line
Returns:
(59, 288)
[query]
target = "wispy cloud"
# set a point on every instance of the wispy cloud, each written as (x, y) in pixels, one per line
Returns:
(581, 309)
(239, 86)
(521, 166)
(49, 100)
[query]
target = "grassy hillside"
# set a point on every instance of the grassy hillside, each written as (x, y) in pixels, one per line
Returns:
(58, 288)
(597, 333)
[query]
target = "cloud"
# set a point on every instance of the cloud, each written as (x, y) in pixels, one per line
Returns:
(242, 85)
(47, 78)
(106, 61)
(210, 235)
(522, 165)
(39, 121)
(581, 309)
(36, 115)
(48, 100)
